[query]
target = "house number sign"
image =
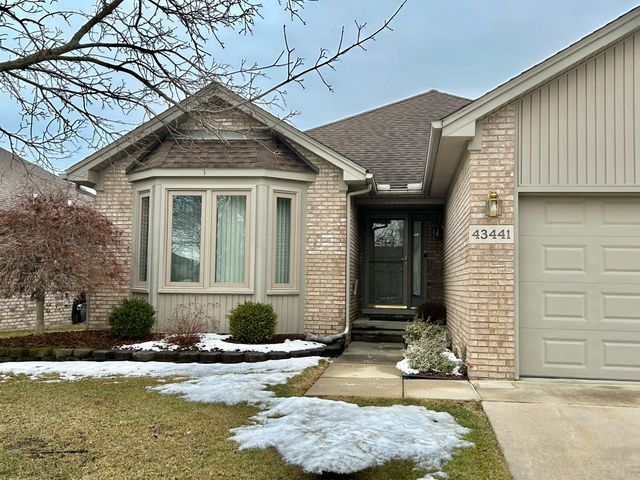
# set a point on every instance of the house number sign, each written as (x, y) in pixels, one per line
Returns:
(491, 234)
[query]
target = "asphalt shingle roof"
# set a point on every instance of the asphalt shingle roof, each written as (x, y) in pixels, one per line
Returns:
(270, 154)
(391, 141)
(19, 177)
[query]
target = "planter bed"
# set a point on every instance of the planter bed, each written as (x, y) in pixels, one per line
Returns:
(23, 354)
(99, 345)
(433, 376)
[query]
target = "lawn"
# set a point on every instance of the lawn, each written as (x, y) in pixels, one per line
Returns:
(115, 428)
(60, 328)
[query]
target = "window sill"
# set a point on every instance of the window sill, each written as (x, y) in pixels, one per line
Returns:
(207, 291)
(140, 289)
(283, 291)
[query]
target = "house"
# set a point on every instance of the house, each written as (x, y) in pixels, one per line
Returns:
(520, 211)
(19, 177)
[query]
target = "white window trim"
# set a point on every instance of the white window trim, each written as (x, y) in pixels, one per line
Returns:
(168, 241)
(292, 286)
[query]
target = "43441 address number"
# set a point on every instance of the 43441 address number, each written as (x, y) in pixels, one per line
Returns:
(491, 234)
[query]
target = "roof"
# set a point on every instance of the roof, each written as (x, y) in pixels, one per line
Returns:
(19, 177)
(391, 141)
(84, 172)
(268, 154)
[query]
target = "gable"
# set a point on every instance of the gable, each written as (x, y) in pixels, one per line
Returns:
(237, 115)
(579, 129)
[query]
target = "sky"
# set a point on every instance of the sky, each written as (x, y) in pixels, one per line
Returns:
(463, 47)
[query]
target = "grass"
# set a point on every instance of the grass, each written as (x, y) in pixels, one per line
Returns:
(115, 428)
(59, 328)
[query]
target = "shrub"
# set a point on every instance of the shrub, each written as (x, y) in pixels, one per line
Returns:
(425, 353)
(188, 322)
(132, 319)
(418, 329)
(253, 322)
(432, 313)
(414, 330)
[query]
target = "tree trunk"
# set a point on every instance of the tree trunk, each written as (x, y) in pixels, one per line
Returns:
(39, 299)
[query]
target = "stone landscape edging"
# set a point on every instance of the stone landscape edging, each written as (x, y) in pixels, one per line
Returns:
(25, 354)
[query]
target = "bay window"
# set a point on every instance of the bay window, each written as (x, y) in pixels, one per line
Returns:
(185, 237)
(208, 239)
(143, 238)
(283, 266)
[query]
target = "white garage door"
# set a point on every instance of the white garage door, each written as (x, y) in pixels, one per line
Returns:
(580, 287)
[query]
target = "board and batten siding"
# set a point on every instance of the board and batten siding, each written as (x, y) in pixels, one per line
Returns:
(217, 306)
(582, 129)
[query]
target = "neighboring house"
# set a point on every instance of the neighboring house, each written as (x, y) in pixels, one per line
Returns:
(379, 212)
(19, 177)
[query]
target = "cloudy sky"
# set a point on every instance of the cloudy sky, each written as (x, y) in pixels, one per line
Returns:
(465, 47)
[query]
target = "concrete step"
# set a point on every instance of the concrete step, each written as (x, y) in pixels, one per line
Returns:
(377, 336)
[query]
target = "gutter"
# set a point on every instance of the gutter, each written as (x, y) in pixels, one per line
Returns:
(434, 146)
(339, 336)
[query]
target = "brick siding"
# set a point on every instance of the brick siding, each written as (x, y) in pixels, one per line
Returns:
(114, 201)
(17, 313)
(325, 262)
(479, 278)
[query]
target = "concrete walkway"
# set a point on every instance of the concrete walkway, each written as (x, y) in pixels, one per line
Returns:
(368, 370)
(565, 430)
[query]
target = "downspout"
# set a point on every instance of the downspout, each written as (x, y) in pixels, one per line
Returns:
(339, 336)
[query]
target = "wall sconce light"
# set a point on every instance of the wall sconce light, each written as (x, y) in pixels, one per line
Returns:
(493, 205)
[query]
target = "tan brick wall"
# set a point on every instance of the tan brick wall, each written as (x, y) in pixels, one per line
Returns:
(324, 311)
(480, 278)
(455, 257)
(114, 201)
(355, 257)
(20, 312)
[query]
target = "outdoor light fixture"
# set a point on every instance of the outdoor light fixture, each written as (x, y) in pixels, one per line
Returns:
(493, 205)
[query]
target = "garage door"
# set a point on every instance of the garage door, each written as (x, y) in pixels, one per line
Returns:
(580, 287)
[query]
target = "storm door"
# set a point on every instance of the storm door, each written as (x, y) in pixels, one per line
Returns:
(386, 272)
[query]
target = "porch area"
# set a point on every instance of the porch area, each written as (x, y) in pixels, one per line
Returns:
(396, 265)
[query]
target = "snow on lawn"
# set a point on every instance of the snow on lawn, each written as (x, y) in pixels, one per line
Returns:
(343, 437)
(346, 438)
(216, 342)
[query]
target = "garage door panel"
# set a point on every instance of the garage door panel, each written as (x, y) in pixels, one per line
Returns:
(580, 306)
(587, 354)
(573, 216)
(579, 290)
(588, 259)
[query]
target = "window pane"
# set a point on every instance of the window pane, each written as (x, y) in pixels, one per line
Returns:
(283, 240)
(185, 238)
(144, 239)
(231, 213)
(417, 258)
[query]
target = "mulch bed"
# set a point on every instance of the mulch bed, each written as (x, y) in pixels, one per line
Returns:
(277, 338)
(96, 339)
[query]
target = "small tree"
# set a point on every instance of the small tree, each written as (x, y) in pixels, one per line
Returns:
(50, 243)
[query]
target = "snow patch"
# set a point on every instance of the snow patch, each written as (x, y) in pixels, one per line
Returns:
(346, 438)
(82, 369)
(216, 342)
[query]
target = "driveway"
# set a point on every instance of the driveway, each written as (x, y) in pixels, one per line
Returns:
(560, 429)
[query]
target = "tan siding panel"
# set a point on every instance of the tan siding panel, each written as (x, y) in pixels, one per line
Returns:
(288, 309)
(579, 129)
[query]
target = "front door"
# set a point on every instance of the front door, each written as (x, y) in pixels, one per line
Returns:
(386, 273)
